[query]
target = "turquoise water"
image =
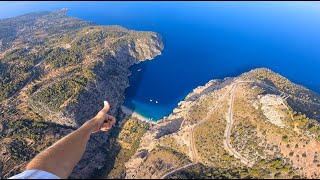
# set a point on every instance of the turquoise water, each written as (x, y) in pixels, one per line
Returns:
(204, 41)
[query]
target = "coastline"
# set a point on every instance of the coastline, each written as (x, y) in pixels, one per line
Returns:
(130, 112)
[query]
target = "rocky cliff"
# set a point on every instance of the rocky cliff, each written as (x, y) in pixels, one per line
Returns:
(55, 72)
(108, 65)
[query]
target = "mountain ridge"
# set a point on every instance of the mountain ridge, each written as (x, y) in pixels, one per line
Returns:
(55, 71)
(186, 131)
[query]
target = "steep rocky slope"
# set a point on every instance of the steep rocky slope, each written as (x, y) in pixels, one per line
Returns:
(55, 71)
(257, 125)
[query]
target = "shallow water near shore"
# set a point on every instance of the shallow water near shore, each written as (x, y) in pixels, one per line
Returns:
(204, 41)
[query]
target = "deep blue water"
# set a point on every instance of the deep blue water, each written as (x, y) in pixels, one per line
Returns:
(204, 41)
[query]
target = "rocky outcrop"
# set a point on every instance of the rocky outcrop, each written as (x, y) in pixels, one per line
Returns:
(271, 108)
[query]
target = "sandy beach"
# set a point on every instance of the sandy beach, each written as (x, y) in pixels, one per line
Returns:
(131, 113)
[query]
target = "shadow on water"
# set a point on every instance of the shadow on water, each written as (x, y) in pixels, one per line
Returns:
(138, 71)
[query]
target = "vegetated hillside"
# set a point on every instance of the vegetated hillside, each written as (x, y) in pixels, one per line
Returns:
(257, 125)
(55, 72)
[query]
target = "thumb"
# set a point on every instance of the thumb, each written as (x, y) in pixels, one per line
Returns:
(106, 106)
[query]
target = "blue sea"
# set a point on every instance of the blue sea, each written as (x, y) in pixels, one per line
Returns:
(204, 41)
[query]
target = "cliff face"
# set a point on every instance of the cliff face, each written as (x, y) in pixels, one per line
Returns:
(112, 77)
(108, 64)
(58, 70)
(257, 125)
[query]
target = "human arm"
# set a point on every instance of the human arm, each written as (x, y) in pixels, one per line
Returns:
(61, 158)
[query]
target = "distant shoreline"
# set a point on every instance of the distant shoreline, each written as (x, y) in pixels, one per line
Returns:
(132, 113)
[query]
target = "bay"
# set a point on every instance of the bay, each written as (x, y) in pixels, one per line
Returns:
(204, 41)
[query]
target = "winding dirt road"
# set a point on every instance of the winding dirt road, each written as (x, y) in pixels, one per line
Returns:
(193, 150)
(226, 141)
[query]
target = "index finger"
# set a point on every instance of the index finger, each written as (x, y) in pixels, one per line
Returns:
(111, 120)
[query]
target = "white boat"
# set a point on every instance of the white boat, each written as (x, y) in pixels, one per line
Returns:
(157, 102)
(139, 70)
(150, 100)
